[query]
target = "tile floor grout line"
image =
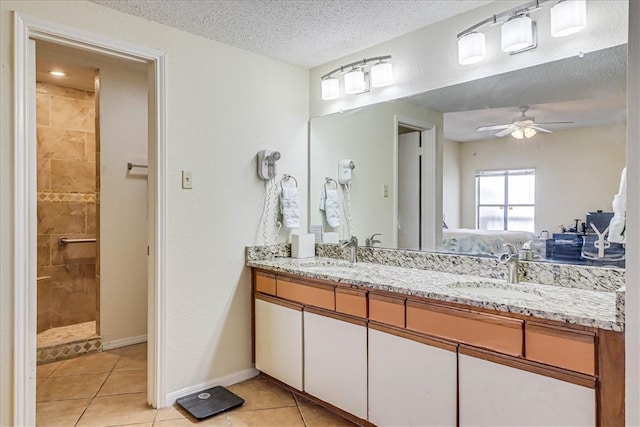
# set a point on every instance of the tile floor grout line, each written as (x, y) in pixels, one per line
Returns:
(97, 391)
(295, 399)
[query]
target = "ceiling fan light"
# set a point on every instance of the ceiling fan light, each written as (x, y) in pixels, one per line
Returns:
(529, 132)
(518, 133)
(516, 34)
(330, 88)
(471, 48)
(354, 82)
(381, 74)
(568, 17)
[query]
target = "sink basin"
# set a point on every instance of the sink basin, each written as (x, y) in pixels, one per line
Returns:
(498, 290)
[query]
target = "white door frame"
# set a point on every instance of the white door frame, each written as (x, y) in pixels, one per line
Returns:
(25, 207)
(431, 231)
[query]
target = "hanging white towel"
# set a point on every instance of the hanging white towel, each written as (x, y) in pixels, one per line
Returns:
(290, 207)
(329, 203)
(618, 222)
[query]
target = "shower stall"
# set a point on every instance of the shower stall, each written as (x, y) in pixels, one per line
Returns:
(67, 212)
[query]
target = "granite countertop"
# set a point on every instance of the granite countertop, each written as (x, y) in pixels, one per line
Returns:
(576, 306)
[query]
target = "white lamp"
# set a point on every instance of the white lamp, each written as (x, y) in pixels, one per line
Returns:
(568, 17)
(516, 34)
(381, 74)
(330, 88)
(529, 132)
(354, 82)
(471, 48)
(518, 133)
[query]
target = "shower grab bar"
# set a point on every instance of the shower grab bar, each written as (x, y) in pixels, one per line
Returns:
(133, 165)
(64, 241)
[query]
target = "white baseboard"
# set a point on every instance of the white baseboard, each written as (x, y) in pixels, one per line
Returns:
(228, 380)
(124, 342)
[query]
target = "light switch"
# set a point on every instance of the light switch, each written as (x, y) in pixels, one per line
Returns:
(187, 180)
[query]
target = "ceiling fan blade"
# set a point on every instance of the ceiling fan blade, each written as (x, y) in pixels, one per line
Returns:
(506, 131)
(492, 127)
(552, 123)
(538, 128)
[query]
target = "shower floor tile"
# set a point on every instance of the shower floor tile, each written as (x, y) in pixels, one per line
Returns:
(67, 342)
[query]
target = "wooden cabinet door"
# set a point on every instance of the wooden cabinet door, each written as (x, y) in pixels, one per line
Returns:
(335, 362)
(493, 394)
(279, 342)
(411, 383)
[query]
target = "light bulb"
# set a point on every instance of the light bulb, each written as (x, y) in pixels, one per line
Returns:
(354, 82)
(517, 134)
(471, 48)
(330, 88)
(568, 17)
(381, 74)
(57, 73)
(516, 34)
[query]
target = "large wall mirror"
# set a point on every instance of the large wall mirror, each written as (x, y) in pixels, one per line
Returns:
(425, 178)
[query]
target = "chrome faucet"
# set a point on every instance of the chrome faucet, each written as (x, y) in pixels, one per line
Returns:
(511, 259)
(352, 243)
(371, 240)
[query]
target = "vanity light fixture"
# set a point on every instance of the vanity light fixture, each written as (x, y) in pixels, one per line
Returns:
(517, 34)
(354, 82)
(56, 73)
(518, 30)
(330, 88)
(568, 17)
(471, 48)
(357, 77)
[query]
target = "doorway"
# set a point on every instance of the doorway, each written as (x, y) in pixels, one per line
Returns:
(27, 30)
(415, 185)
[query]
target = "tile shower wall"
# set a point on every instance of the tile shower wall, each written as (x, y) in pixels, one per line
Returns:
(67, 198)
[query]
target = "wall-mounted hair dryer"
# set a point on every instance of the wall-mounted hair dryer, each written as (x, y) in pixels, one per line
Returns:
(267, 163)
(345, 169)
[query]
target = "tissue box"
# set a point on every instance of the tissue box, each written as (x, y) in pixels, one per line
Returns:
(303, 245)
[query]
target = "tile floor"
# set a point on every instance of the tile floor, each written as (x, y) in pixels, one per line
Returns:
(109, 389)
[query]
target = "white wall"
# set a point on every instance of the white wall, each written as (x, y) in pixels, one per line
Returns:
(427, 59)
(632, 330)
(366, 136)
(451, 185)
(123, 204)
(577, 171)
(218, 116)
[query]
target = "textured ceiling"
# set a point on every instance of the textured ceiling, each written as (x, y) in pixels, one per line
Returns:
(301, 32)
(588, 91)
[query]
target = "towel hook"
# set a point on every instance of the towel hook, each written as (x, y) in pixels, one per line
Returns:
(287, 177)
(329, 180)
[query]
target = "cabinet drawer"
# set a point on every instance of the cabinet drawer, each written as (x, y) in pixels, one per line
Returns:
(351, 301)
(265, 283)
(388, 310)
(307, 293)
(561, 347)
(498, 333)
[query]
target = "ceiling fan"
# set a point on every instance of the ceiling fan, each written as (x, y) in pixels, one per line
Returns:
(522, 127)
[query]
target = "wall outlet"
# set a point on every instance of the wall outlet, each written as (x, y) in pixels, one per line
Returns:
(187, 180)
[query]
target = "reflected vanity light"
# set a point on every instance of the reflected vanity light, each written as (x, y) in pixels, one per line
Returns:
(518, 30)
(357, 77)
(57, 73)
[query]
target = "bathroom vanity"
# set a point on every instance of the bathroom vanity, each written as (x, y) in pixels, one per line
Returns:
(389, 345)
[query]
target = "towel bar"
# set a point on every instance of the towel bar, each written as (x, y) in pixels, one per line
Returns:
(328, 180)
(134, 165)
(287, 177)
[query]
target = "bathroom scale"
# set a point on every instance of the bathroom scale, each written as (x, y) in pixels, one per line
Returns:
(208, 403)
